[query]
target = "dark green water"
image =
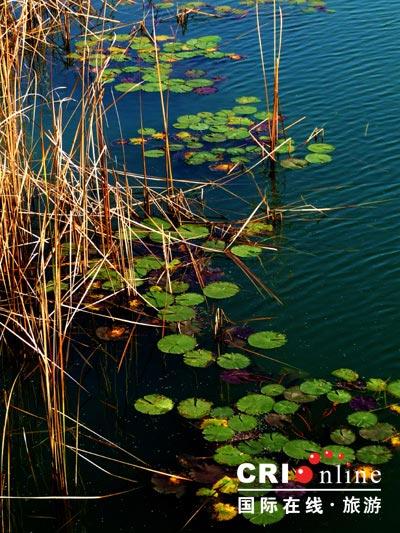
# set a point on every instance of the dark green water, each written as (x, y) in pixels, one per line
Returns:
(337, 274)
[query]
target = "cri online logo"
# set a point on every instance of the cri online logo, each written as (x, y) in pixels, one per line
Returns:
(303, 473)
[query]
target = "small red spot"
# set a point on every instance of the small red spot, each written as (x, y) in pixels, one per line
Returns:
(314, 458)
(340, 455)
(328, 454)
(304, 474)
(348, 465)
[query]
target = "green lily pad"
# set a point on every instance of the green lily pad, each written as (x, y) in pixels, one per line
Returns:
(244, 110)
(158, 299)
(273, 442)
(321, 148)
(255, 404)
(154, 153)
(220, 290)
(346, 374)
(189, 298)
(300, 449)
(177, 313)
(318, 159)
(394, 388)
(294, 394)
(252, 447)
(362, 419)
(154, 404)
(267, 340)
(233, 361)
(343, 436)
(246, 251)
(127, 87)
(348, 455)
(379, 432)
(193, 231)
(231, 456)
(376, 385)
(273, 389)
(316, 387)
(222, 412)
(375, 455)
(217, 433)
(198, 358)
(293, 163)
(244, 100)
(194, 408)
(286, 407)
(177, 287)
(176, 343)
(339, 396)
(262, 518)
(242, 422)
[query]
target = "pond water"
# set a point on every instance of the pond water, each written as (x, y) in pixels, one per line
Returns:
(336, 273)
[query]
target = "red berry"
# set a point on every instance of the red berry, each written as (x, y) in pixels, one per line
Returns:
(304, 474)
(340, 455)
(328, 454)
(314, 458)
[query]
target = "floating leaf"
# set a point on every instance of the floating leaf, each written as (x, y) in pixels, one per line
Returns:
(294, 394)
(252, 447)
(346, 374)
(394, 388)
(301, 449)
(339, 396)
(244, 110)
(362, 419)
(318, 159)
(375, 455)
(316, 387)
(215, 433)
(190, 298)
(241, 423)
(178, 287)
(193, 231)
(154, 404)
(246, 251)
(247, 100)
(346, 454)
(177, 313)
(229, 455)
(273, 442)
(273, 389)
(293, 163)
(220, 290)
(154, 153)
(267, 340)
(262, 518)
(376, 385)
(198, 358)
(343, 436)
(176, 344)
(286, 407)
(233, 360)
(321, 148)
(379, 432)
(222, 412)
(255, 404)
(224, 511)
(158, 299)
(194, 408)
(227, 485)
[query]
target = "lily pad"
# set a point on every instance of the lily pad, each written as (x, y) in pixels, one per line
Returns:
(267, 340)
(343, 436)
(177, 287)
(244, 110)
(318, 159)
(246, 251)
(346, 455)
(231, 456)
(222, 412)
(321, 148)
(233, 360)
(255, 404)
(286, 407)
(154, 153)
(194, 408)
(362, 419)
(301, 449)
(198, 358)
(294, 394)
(262, 518)
(193, 231)
(220, 290)
(217, 433)
(346, 374)
(293, 163)
(158, 299)
(243, 100)
(376, 385)
(339, 396)
(375, 455)
(394, 388)
(379, 432)
(189, 298)
(242, 422)
(316, 387)
(273, 442)
(176, 343)
(154, 404)
(273, 389)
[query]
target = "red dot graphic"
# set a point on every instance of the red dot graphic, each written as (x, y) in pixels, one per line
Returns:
(314, 458)
(340, 455)
(328, 454)
(304, 474)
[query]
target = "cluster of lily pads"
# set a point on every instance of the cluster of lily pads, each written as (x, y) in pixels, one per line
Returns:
(346, 420)
(222, 139)
(202, 8)
(307, 6)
